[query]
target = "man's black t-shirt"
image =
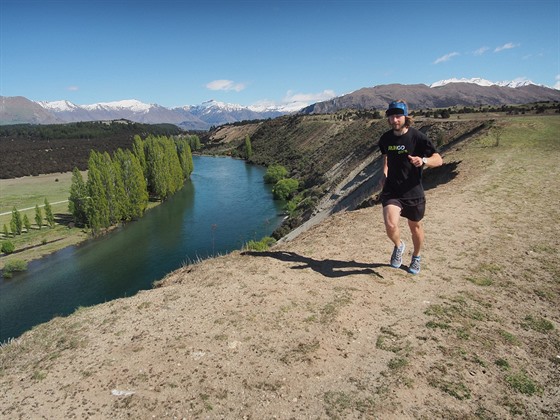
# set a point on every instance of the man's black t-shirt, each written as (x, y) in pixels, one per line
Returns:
(404, 180)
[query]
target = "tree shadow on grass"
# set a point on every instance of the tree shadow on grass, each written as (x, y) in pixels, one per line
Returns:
(327, 268)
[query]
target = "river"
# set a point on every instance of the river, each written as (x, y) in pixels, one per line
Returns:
(223, 205)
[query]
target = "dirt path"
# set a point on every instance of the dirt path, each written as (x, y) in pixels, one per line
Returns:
(31, 208)
(322, 327)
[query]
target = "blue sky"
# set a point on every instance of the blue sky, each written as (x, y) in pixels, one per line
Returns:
(176, 53)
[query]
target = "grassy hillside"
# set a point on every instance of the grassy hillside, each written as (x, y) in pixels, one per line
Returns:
(322, 327)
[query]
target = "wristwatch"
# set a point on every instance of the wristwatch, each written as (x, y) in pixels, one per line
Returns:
(425, 160)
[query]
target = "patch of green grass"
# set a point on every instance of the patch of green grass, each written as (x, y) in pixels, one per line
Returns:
(483, 274)
(544, 248)
(338, 405)
(457, 390)
(544, 294)
(388, 340)
(329, 312)
(480, 281)
(477, 359)
(398, 363)
(522, 383)
(38, 375)
(489, 268)
(435, 325)
(301, 353)
(538, 324)
(509, 337)
(206, 401)
(502, 364)
(464, 333)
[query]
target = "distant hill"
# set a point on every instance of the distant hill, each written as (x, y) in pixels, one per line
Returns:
(442, 94)
(20, 110)
(421, 96)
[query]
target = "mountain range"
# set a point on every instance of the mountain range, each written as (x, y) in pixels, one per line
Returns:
(442, 94)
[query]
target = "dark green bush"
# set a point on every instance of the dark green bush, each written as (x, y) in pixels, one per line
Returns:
(8, 247)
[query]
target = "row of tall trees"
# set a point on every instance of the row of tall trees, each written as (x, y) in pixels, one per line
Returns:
(118, 188)
(19, 222)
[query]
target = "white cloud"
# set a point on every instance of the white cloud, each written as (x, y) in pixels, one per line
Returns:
(226, 85)
(481, 50)
(507, 46)
(309, 97)
(73, 88)
(446, 57)
(557, 84)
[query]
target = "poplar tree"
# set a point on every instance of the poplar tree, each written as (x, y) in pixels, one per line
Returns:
(48, 213)
(120, 200)
(26, 223)
(77, 201)
(165, 176)
(38, 216)
(194, 142)
(140, 153)
(185, 157)
(135, 198)
(18, 224)
(175, 177)
(248, 147)
(98, 207)
(156, 167)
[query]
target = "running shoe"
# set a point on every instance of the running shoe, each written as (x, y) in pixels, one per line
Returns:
(414, 267)
(396, 257)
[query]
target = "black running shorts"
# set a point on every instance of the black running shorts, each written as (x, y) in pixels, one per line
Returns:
(413, 209)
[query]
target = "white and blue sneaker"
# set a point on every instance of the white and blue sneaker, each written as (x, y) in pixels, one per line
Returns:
(396, 256)
(414, 266)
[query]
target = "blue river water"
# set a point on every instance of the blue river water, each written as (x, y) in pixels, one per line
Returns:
(223, 205)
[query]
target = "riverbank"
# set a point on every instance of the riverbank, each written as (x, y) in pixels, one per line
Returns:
(26, 192)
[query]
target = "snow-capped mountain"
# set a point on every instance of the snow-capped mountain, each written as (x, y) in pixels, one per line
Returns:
(444, 93)
(193, 117)
(58, 106)
(483, 82)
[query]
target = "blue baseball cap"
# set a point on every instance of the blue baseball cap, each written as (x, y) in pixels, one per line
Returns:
(397, 108)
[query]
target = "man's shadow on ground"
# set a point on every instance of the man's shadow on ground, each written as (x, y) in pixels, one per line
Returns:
(328, 268)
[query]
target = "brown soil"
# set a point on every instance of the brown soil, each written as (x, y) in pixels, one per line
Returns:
(321, 326)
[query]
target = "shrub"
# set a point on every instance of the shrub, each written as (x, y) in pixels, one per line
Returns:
(285, 188)
(261, 245)
(275, 173)
(12, 266)
(8, 247)
(292, 205)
